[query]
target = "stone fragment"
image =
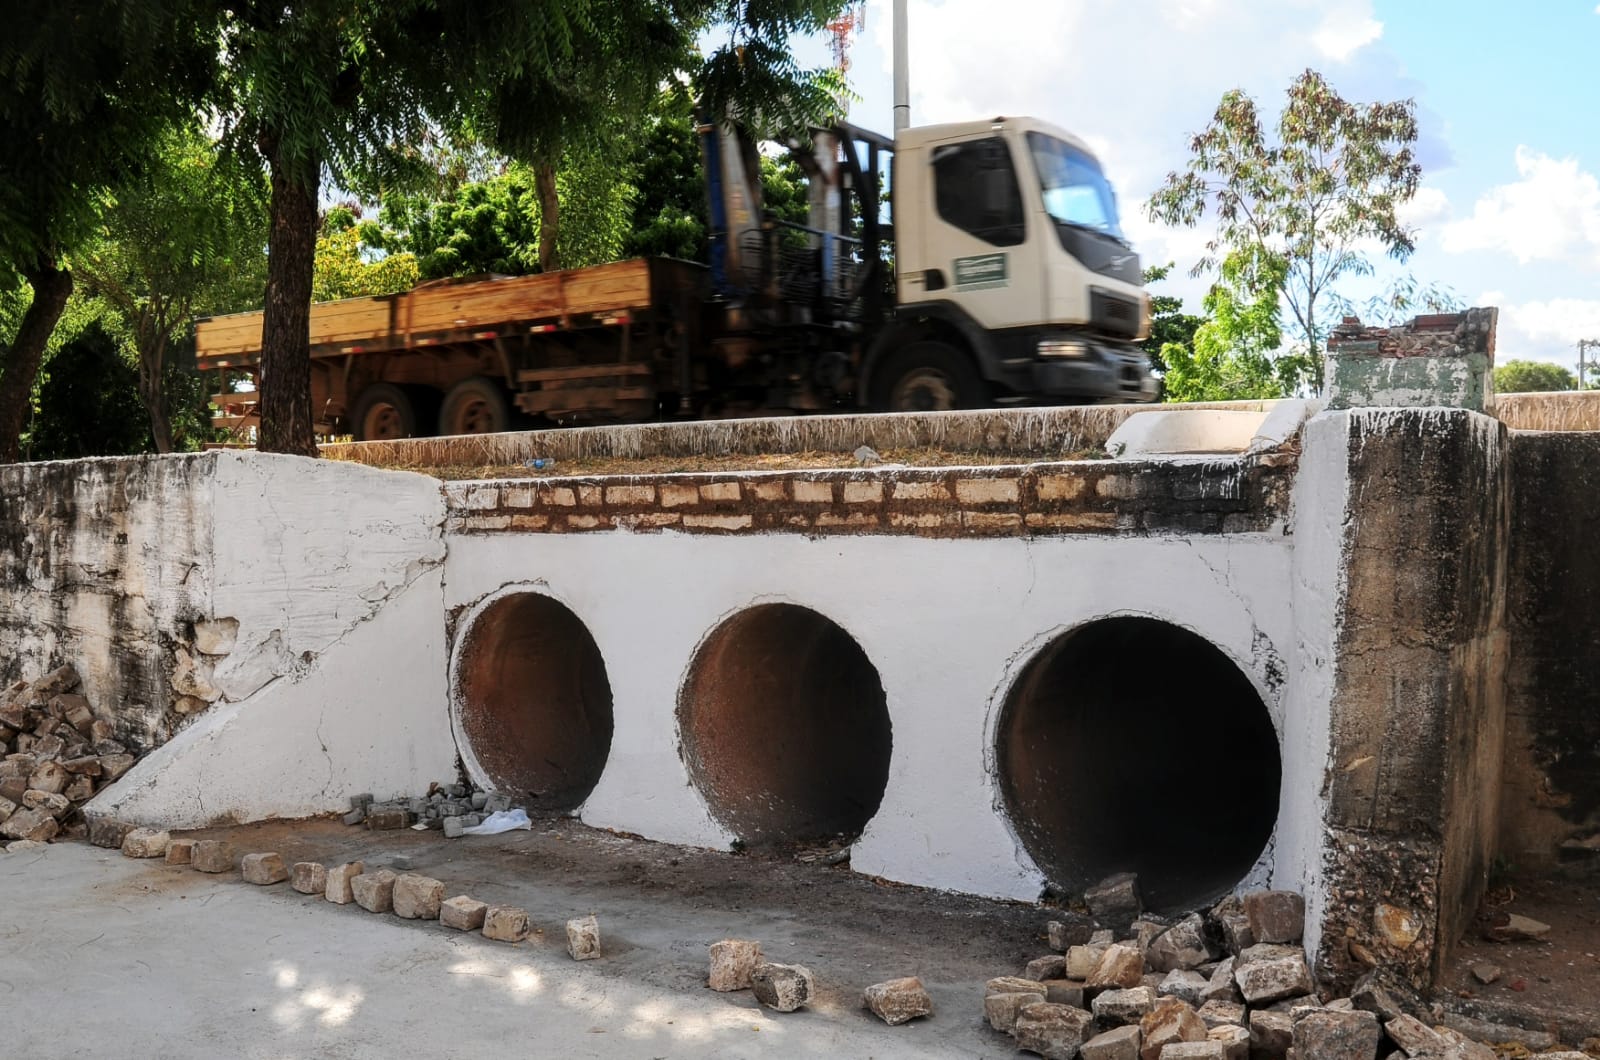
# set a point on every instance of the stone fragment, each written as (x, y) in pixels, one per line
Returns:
(898, 1000)
(733, 961)
(341, 889)
(354, 817)
(505, 923)
(61, 679)
(1202, 1050)
(1181, 946)
(1271, 1034)
(1486, 973)
(1216, 1014)
(101, 731)
(1234, 1039)
(1234, 925)
(180, 852)
(1120, 966)
(1513, 928)
(20, 846)
(1114, 1008)
(1388, 994)
(1005, 997)
(1459, 1027)
(146, 843)
(55, 805)
(361, 801)
(1071, 930)
(264, 869)
(1115, 899)
(1056, 1032)
(1271, 979)
(1414, 1036)
(36, 825)
(462, 913)
(13, 788)
(1276, 916)
(212, 855)
(1170, 1021)
(1183, 985)
(417, 897)
(454, 827)
(1063, 992)
(7, 808)
(583, 938)
(1329, 1035)
(1081, 960)
(374, 891)
(1119, 1044)
(1041, 968)
(87, 766)
(49, 776)
(1221, 987)
(1103, 938)
(114, 766)
(783, 987)
(81, 789)
(309, 877)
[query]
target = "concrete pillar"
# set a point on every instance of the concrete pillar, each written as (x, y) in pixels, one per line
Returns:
(1446, 359)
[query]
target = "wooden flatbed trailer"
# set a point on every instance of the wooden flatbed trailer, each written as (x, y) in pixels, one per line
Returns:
(600, 344)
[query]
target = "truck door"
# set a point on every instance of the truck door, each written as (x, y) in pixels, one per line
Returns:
(978, 252)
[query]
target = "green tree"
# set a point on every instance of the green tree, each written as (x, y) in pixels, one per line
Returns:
(1232, 355)
(339, 87)
(1306, 199)
(185, 236)
(353, 259)
(1169, 324)
(85, 88)
(1524, 377)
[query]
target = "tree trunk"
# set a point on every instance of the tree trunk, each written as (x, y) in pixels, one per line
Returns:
(549, 216)
(286, 323)
(154, 396)
(52, 286)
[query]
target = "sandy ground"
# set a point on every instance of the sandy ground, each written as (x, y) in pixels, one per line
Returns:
(106, 956)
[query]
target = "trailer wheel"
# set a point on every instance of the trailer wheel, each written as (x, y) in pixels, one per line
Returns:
(929, 377)
(475, 406)
(384, 411)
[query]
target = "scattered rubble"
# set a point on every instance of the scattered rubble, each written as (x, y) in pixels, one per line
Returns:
(55, 755)
(1228, 983)
(448, 807)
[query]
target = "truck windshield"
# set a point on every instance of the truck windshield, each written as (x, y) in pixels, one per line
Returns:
(1075, 191)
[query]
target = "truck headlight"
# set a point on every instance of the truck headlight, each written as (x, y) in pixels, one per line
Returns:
(1075, 349)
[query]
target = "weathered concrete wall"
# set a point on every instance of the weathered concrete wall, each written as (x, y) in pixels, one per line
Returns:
(1552, 776)
(1411, 784)
(1442, 360)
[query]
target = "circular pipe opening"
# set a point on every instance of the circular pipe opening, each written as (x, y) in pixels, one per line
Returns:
(785, 730)
(1132, 745)
(534, 702)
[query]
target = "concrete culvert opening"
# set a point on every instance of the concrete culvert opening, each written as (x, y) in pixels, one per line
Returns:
(1132, 745)
(533, 700)
(784, 726)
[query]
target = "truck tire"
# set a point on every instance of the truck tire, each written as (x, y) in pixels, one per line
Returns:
(476, 405)
(385, 411)
(928, 376)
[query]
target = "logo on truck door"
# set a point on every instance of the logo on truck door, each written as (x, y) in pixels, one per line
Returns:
(981, 273)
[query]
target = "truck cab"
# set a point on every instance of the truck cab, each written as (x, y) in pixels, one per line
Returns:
(1013, 279)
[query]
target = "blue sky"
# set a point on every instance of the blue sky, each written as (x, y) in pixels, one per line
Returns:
(1508, 100)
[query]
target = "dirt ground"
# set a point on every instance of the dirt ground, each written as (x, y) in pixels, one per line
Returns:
(1553, 984)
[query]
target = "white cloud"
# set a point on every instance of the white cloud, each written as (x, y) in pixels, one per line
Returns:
(1345, 31)
(1551, 214)
(1427, 207)
(1543, 330)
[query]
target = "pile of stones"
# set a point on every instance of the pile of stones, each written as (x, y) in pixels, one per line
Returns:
(407, 895)
(451, 808)
(57, 754)
(1229, 983)
(738, 964)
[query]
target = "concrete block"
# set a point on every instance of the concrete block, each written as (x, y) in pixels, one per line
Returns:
(1272, 979)
(1276, 916)
(733, 962)
(1056, 1032)
(1203, 1050)
(898, 1000)
(782, 987)
(417, 897)
(1120, 1044)
(309, 877)
(1329, 1035)
(374, 891)
(1271, 1034)
(180, 851)
(1041, 968)
(1216, 1014)
(583, 938)
(1170, 1022)
(340, 889)
(386, 820)
(1081, 960)
(454, 827)
(1235, 1041)
(1115, 1008)
(505, 923)
(1005, 997)
(1063, 992)
(146, 843)
(212, 855)
(1120, 966)
(264, 869)
(462, 913)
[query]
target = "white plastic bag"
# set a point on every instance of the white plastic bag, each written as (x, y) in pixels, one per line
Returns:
(501, 821)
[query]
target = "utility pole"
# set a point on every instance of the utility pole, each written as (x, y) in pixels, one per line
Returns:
(902, 70)
(1585, 345)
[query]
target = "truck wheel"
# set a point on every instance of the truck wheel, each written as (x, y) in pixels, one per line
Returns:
(384, 411)
(475, 406)
(929, 377)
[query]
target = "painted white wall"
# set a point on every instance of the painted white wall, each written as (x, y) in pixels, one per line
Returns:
(948, 624)
(370, 716)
